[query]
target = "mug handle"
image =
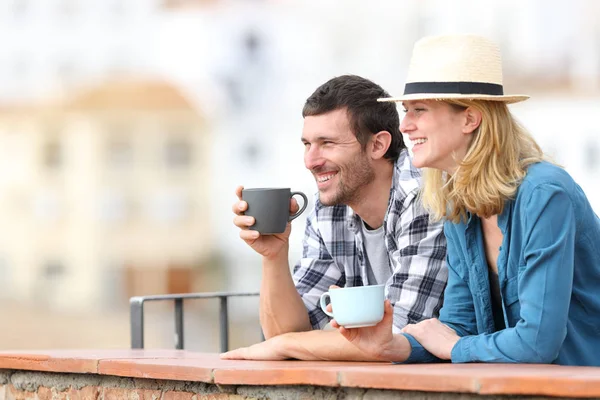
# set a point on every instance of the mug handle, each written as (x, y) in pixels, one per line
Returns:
(323, 303)
(297, 214)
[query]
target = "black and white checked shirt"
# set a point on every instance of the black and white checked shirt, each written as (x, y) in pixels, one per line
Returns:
(334, 253)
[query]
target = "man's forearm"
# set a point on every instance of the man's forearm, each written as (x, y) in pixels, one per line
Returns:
(332, 346)
(281, 308)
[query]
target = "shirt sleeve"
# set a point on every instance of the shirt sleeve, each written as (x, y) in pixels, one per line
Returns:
(315, 272)
(544, 287)
(417, 285)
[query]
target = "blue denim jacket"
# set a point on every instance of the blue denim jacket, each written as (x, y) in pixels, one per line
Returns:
(549, 273)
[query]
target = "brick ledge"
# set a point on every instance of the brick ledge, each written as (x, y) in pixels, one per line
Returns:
(485, 379)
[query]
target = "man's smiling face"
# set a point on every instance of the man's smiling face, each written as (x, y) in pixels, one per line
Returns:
(335, 157)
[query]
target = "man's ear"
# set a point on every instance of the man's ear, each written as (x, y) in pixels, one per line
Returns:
(472, 120)
(380, 143)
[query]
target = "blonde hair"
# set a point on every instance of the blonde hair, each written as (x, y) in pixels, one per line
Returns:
(490, 173)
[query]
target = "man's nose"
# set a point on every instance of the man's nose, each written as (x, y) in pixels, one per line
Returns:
(313, 158)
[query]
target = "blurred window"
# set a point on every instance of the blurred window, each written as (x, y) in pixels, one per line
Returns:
(119, 154)
(178, 153)
(119, 62)
(550, 150)
(117, 7)
(114, 207)
(66, 71)
(53, 269)
(19, 7)
(168, 206)
(68, 8)
(5, 277)
(47, 206)
(20, 67)
(591, 155)
(52, 155)
(252, 153)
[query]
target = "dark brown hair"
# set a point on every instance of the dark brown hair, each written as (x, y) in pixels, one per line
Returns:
(367, 116)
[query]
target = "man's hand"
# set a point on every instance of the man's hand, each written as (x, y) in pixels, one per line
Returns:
(377, 341)
(434, 336)
(314, 345)
(269, 350)
(269, 246)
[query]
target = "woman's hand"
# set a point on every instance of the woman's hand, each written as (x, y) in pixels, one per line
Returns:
(434, 336)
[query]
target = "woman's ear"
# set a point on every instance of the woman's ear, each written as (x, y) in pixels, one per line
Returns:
(472, 120)
(380, 143)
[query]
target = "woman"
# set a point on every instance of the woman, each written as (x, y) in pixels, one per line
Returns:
(523, 255)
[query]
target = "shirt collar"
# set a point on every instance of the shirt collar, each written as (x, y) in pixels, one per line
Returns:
(503, 217)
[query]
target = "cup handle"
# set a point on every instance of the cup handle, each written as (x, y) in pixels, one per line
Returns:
(297, 214)
(323, 299)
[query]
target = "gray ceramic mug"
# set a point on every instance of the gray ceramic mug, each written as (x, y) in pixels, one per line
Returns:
(270, 208)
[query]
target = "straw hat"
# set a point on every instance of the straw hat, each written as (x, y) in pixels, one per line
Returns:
(455, 67)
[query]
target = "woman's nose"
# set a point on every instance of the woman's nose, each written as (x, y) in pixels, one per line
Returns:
(406, 125)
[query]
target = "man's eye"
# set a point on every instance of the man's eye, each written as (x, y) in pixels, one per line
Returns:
(419, 109)
(404, 110)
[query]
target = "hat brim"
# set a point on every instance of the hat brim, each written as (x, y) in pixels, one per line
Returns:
(449, 96)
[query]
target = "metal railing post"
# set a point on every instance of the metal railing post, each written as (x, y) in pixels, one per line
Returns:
(179, 324)
(136, 305)
(224, 323)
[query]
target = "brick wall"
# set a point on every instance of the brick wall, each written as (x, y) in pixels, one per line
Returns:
(171, 374)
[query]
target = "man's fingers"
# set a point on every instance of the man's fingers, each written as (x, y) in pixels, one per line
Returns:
(329, 308)
(249, 235)
(387, 307)
(294, 207)
(238, 191)
(345, 333)
(242, 221)
(237, 354)
(239, 207)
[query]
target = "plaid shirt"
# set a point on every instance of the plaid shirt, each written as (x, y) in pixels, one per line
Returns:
(334, 253)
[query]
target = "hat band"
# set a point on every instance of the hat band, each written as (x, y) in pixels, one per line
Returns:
(454, 87)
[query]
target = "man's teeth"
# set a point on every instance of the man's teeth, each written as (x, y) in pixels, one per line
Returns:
(419, 141)
(325, 178)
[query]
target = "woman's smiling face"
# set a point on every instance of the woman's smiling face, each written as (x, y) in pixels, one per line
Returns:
(440, 133)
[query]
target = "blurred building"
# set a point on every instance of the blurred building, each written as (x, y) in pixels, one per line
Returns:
(106, 188)
(104, 196)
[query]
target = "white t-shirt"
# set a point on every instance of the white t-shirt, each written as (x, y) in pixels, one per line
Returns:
(379, 269)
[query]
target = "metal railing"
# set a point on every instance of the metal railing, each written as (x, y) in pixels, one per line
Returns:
(136, 307)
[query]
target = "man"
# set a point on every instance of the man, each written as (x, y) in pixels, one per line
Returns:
(367, 227)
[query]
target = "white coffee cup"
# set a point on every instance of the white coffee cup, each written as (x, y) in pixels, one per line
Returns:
(355, 307)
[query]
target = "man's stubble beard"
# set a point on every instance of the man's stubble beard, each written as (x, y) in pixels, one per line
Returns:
(357, 174)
